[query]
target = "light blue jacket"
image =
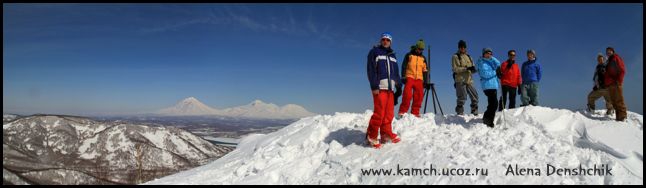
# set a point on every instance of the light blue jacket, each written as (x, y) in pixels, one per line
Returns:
(487, 71)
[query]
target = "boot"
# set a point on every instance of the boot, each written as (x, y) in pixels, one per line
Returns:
(590, 108)
(373, 143)
(459, 110)
(488, 122)
(386, 139)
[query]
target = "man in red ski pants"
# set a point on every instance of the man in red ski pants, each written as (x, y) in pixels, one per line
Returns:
(383, 75)
(414, 73)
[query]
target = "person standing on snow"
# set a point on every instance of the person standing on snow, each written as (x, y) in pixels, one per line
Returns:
(383, 75)
(613, 80)
(487, 66)
(510, 80)
(463, 67)
(414, 73)
(599, 88)
(531, 73)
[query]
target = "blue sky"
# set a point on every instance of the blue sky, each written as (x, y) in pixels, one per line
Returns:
(128, 58)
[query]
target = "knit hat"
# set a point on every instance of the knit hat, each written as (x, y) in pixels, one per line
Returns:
(387, 35)
(420, 44)
(485, 50)
(531, 51)
(461, 43)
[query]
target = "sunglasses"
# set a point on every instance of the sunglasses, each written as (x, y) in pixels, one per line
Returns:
(385, 39)
(512, 55)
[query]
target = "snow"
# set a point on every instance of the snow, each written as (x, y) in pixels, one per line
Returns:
(155, 138)
(330, 149)
(160, 138)
(8, 117)
(88, 130)
(259, 109)
(189, 107)
(87, 144)
(117, 142)
(256, 109)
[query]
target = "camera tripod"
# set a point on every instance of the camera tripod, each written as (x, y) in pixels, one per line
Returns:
(432, 88)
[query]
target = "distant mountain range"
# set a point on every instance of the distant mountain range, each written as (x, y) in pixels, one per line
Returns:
(256, 109)
(56, 149)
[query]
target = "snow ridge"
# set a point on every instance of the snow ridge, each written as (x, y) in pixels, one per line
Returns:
(330, 149)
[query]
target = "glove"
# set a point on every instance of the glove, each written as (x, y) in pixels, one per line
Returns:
(403, 80)
(498, 73)
(471, 68)
(594, 88)
(398, 92)
(519, 89)
(427, 86)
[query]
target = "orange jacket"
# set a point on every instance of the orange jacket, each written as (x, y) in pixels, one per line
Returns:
(414, 66)
(510, 76)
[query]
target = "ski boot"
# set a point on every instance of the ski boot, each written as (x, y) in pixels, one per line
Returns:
(386, 139)
(373, 143)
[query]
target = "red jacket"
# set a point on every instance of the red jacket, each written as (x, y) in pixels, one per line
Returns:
(510, 76)
(615, 71)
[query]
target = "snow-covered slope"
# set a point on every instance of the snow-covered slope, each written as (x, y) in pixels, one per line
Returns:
(53, 149)
(189, 107)
(256, 109)
(8, 117)
(330, 149)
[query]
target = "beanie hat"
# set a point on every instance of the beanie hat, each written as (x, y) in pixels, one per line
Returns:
(461, 44)
(485, 50)
(386, 35)
(420, 44)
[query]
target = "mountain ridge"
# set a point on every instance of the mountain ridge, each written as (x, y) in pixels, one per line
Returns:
(191, 106)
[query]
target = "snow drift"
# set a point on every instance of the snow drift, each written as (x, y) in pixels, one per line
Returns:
(330, 149)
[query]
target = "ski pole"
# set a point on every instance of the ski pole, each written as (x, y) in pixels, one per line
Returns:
(428, 76)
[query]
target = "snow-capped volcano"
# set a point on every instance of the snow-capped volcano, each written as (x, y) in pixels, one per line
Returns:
(259, 109)
(189, 107)
(331, 149)
(256, 109)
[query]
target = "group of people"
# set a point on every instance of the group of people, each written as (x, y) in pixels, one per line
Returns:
(386, 84)
(608, 83)
(493, 75)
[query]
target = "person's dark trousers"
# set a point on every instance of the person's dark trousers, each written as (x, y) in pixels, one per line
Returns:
(492, 105)
(507, 91)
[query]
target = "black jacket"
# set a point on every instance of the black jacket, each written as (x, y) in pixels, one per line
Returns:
(598, 76)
